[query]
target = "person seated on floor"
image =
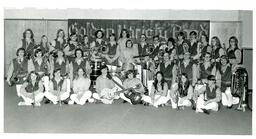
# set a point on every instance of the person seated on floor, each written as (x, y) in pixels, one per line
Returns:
(105, 87)
(209, 95)
(158, 95)
(59, 88)
(81, 90)
(136, 89)
(184, 90)
(31, 90)
(225, 73)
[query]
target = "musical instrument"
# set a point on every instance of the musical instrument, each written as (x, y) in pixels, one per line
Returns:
(111, 93)
(96, 70)
(150, 49)
(239, 87)
(18, 78)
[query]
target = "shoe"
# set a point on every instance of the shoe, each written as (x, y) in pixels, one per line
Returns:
(90, 100)
(21, 104)
(38, 104)
(230, 107)
(146, 104)
(47, 101)
(206, 111)
(71, 102)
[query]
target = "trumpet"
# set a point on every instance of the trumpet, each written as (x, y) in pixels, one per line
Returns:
(103, 49)
(150, 49)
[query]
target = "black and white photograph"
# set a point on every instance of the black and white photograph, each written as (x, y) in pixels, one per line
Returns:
(128, 71)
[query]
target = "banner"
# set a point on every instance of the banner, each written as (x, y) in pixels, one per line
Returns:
(163, 28)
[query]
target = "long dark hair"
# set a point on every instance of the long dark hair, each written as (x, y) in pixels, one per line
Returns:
(85, 75)
(187, 83)
(29, 80)
(31, 37)
(218, 44)
(156, 81)
(127, 33)
(59, 32)
(236, 41)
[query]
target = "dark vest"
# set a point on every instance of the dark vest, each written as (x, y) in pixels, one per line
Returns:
(204, 73)
(44, 49)
(62, 67)
(169, 51)
(112, 49)
(76, 66)
(183, 91)
(231, 54)
(20, 68)
(155, 52)
(226, 78)
(210, 94)
(30, 88)
(193, 49)
(188, 69)
(142, 51)
(29, 48)
(40, 68)
(167, 70)
(56, 85)
(60, 46)
(180, 50)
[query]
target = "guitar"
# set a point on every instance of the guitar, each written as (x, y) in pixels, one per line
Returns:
(111, 93)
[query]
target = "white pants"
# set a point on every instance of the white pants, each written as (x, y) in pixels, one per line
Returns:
(45, 80)
(18, 86)
(81, 98)
(200, 105)
(55, 98)
(105, 101)
(29, 98)
(186, 103)
(228, 99)
(158, 100)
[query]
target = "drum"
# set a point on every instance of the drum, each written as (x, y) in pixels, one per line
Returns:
(96, 67)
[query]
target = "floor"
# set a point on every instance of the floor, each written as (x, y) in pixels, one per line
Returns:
(119, 118)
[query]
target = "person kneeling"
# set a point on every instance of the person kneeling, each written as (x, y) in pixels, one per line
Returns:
(208, 96)
(81, 88)
(58, 88)
(158, 95)
(105, 87)
(182, 93)
(32, 90)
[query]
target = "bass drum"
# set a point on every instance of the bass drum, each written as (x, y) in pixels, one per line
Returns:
(95, 66)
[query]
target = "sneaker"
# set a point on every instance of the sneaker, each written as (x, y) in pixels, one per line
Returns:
(38, 104)
(47, 101)
(90, 100)
(71, 102)
(22, 104)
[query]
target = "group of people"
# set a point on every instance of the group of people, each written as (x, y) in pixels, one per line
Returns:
(181, 72)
